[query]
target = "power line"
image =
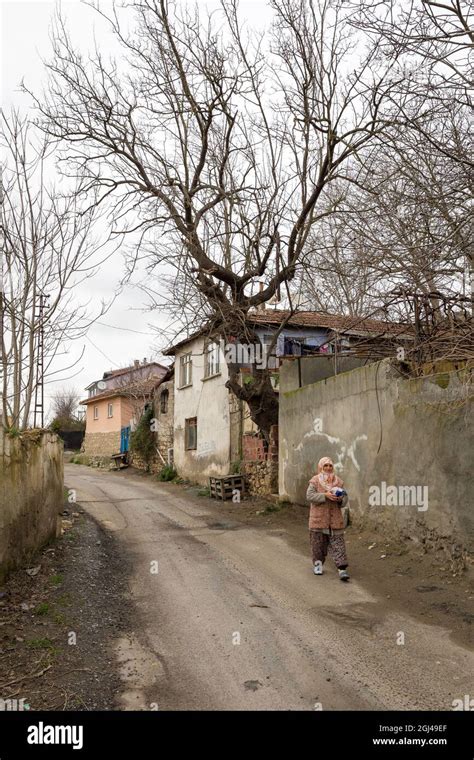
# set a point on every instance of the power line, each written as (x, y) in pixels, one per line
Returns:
(128, 329)
(101, 352)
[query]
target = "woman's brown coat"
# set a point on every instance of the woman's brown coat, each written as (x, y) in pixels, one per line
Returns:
(324, 513)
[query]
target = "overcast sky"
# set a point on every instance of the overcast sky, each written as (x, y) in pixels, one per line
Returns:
(125, 333)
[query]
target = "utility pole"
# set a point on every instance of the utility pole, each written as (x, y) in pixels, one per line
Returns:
(3, 407)
(38, 414)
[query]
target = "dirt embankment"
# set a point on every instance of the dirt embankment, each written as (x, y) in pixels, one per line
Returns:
(58, 616)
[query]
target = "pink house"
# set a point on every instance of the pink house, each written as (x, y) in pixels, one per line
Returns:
(115, 404)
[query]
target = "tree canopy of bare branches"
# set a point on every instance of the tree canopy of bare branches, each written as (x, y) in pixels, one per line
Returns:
(48, 250)
(218, 144)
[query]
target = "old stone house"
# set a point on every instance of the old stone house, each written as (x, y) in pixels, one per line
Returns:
(162, 399)
(164, 418)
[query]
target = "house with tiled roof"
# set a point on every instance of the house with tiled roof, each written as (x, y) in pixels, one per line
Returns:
(115, 403)
(213, 432)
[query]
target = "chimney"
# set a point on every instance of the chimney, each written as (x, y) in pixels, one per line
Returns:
(136, 363)
(144, 360)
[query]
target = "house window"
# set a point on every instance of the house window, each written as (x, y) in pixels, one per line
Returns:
(96, 412)
(110, 410)
(211, 359)
(164, 401)
(190, 433)
(185, 373)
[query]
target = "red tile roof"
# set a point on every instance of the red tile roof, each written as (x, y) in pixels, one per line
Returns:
(124, 370)
(138, 388)
(338, 322)
(330, 321)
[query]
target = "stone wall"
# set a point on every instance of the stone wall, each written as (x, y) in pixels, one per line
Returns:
(164, 434)
(164, 421)
(381, 428)
(101, 445)
(260, 463)
(261, 477)
(31, 494)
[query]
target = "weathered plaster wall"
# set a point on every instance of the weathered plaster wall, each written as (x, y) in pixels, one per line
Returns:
(208, 400)
(31, 494)
(379, 427)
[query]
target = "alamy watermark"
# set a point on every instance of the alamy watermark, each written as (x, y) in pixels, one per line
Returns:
(7, 705)
(384, 495)
(466, 703)
(254, 354)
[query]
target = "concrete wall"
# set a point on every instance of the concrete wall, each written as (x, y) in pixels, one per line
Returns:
(379, 427)
(31, 494)
(304, 370)
(208, 400)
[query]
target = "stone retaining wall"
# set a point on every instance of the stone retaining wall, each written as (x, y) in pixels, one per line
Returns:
(31, 494)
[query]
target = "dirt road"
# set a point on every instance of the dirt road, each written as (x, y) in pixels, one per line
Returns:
(229, 616)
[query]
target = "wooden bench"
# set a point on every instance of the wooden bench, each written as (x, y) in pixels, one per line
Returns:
(120, 460)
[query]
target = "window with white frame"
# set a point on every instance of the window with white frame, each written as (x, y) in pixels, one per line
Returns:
(110, 410)
(185, 370)
(96, 412)
(211, 359)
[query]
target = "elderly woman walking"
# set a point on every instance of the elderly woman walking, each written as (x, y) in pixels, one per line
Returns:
(326, 524)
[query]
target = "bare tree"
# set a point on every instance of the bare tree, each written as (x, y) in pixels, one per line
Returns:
(222, 141)
(48, 250)
(439, 36)
(65, 403)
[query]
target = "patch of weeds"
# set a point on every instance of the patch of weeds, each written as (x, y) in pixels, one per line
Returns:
(56, 579)
(71, 535)
(204, 492)
(58, 618)
(167, 473)
(42, 608)
(64, 600)
(277, 507)
(13, 432)
(41, 644)
(271, 508)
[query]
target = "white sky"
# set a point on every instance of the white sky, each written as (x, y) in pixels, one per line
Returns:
(24, 30)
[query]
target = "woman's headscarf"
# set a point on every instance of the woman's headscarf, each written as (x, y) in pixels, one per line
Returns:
(324, 481)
